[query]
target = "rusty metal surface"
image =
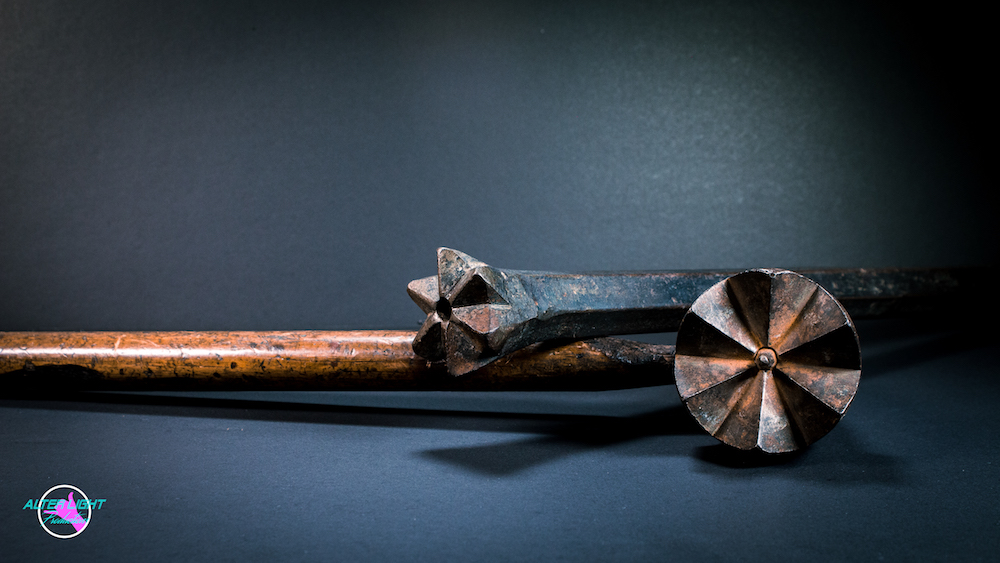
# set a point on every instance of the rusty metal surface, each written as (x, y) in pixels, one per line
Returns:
(313, 360)
(477, 313)
(767, 360)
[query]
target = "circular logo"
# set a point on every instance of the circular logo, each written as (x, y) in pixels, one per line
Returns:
(61, 511)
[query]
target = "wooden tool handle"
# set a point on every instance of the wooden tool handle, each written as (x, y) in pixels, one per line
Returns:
(307, 360)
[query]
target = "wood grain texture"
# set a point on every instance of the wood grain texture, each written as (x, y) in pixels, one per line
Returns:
(307, 360)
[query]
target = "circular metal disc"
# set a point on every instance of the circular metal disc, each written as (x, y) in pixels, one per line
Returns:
(767, 360)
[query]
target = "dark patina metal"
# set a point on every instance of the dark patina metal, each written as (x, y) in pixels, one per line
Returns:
(767, 360)
(477, 313)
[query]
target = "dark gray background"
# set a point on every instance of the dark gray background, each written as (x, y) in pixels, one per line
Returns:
(276, 165)
(292, 165)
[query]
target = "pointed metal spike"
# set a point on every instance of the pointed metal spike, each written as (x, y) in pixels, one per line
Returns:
(717, 310)
(812, 418)
(775, 433)
(466, 350)
(740, 428)
(424, 292)
(478, 289)
(429, 341)
(790, 296)
(707, 372)
(821, 315)
(713, 406)
(750, 296)
(834, 386)
(452, 267)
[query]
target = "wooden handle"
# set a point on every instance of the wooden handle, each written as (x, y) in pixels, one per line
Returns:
(307, 360)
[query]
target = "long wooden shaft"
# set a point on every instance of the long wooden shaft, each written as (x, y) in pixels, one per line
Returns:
(313, 360)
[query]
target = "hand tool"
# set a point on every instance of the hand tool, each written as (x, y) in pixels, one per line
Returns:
(765, 359)
(477, 313)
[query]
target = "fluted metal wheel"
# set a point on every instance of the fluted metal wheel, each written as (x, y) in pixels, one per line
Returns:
(767, 360)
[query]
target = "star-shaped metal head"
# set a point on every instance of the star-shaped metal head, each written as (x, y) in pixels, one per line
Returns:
(472, 309)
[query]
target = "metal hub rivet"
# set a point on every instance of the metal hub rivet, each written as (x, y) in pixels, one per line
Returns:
(765, 359)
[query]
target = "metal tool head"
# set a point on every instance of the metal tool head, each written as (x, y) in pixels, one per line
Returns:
(477, 313)
(472, 309)
(767, 360)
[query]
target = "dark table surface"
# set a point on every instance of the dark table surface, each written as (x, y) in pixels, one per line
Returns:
(910, 473)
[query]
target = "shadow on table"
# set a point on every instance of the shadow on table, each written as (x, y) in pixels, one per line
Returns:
(591, 423)
(625, 434)
(838, 459)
